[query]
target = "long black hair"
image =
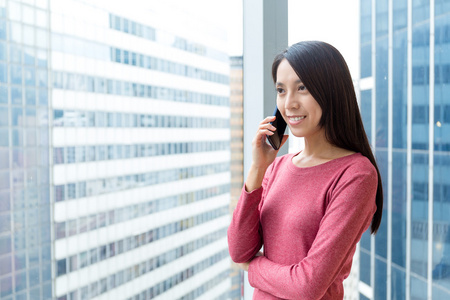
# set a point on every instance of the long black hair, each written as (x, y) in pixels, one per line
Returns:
(325, 74)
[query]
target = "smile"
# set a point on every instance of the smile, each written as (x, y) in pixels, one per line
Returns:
(295, 119)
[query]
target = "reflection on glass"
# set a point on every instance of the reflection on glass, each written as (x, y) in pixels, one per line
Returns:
(381, 236)
(418, 288)
(399, 210)
(30, 96)
(43, 97)
(419, 214)
(28, 35)
(441, 190)
(16, 95)
(28, 15)
(29, 76)
(2, 51)
(399, 126)
(3, 94)
(28, 54)
(14, 11)
(16, 74)
(3, 73)
(380, 279)
(4, 117)
(4, 137)
(382, 93)
(15, 53)
(30, 137)
(16, 32)
(4, 180)
(4, 164)
(41, 38)
(2, 28)
(41, 18)
(41, 58)
(441, 230)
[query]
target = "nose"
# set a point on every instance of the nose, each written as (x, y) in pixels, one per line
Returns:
(292, 102)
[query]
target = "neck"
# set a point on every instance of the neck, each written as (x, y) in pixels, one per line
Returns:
(317, 151)
(317, 146)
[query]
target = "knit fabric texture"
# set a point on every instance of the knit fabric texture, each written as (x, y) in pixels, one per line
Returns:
(309, 221)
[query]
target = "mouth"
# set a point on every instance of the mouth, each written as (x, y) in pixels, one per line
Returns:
(296, 119)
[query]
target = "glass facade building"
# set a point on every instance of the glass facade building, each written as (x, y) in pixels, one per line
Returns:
(237, 156)
(25, 207)
(405, 104)
(114, 152)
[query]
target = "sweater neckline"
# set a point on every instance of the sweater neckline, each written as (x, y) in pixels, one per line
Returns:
(322, 166)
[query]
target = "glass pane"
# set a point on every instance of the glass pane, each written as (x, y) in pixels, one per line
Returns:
(420, 88)
(16, 32)
(419, 214)
(364, 267)
(441, 185)
(380, 279)
(381, 236)
(366, 112)
(399, 90)
(418, 288)
(4, 137)
(3, 73)
(4, 117)
(382, 93)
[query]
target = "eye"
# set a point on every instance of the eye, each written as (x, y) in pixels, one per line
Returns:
(280, 91)
(302, 87)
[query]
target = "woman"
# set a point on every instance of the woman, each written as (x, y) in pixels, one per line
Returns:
(308, 209)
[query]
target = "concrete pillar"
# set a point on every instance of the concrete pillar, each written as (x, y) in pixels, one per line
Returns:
(265, 35)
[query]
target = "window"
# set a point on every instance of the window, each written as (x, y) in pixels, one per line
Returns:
(61, 267)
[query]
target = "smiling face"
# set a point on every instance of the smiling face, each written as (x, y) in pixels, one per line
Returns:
(298, 107)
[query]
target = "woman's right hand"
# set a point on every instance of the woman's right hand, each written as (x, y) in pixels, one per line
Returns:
(262, 154)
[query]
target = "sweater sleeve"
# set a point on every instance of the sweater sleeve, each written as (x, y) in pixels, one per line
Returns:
(347, 215)
(244, 233)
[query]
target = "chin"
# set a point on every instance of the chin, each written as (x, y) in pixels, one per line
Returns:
(297, 134)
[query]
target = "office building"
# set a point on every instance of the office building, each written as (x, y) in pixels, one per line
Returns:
(237, 155)
(405, 83)
(25, 206)
(114, 149)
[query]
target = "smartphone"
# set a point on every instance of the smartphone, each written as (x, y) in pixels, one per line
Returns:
(280, 125)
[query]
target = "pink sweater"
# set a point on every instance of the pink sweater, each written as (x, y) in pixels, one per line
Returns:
(309, 221)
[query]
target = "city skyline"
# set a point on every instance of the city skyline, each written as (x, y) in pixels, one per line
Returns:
(115, 152)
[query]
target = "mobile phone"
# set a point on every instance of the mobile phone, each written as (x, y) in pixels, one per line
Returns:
(280, 125)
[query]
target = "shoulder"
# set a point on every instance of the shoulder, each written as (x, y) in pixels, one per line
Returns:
(353, 163)
(359, 164)
(357, 169)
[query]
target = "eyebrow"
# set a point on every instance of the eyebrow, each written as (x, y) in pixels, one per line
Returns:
(297, 82)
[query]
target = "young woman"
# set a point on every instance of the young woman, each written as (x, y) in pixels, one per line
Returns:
(308, 209)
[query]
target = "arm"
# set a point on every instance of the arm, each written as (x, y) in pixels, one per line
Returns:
(244, 233)
(347, 216)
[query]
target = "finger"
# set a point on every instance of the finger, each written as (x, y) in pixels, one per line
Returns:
(260, 137)
(268, 119)
(260, 140)
(267, 126)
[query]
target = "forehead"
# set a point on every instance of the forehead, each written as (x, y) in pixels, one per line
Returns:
(286, 74)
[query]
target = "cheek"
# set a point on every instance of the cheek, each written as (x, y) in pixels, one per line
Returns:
(280, 104)
(319, 113)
